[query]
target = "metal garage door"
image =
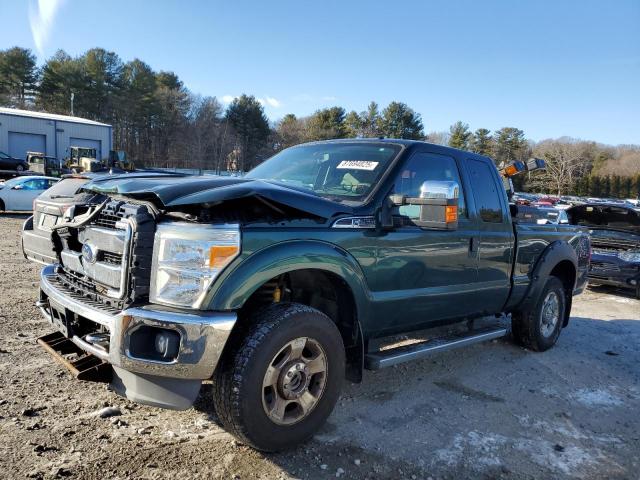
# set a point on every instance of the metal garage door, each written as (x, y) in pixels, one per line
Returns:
(87, 143)
(21, 143)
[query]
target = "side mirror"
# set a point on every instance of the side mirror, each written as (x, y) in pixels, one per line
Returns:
(438, 203)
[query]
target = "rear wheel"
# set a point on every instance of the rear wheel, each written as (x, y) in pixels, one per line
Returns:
(539, 327)
(19, 168)
(279, 384)
(2, 206)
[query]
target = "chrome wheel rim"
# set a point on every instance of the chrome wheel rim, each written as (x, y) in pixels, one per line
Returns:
(294, 381)
(550, 314)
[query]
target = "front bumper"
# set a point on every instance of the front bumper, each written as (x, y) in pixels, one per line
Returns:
(203, 336)
(611, 270)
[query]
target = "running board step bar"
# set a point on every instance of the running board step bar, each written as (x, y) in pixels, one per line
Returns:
(406, 353)
(84, 366)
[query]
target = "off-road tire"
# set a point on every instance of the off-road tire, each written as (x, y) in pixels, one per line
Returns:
(238, 381)
(526, 325)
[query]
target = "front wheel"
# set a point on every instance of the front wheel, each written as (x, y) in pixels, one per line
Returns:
(539, 327)
(279, 384)
(19, 168)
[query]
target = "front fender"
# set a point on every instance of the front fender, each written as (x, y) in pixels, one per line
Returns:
(236, 288)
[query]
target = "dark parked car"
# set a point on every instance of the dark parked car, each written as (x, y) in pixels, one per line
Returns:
(615, 238)
(7, 162)
(541, 215)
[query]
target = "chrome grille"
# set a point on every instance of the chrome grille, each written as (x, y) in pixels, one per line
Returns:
(114, 258)
(71, 290)
(603, 267)
(109, 259)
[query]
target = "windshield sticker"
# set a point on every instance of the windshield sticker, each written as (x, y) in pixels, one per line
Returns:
(357, 165)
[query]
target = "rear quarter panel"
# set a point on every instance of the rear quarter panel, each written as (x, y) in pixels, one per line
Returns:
(532, 240)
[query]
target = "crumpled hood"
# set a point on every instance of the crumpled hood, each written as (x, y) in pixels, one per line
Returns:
(191, 190)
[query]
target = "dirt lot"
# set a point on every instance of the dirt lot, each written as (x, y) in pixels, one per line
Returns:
(490, 411)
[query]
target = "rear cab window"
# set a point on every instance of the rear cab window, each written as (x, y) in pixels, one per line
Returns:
(485, 191)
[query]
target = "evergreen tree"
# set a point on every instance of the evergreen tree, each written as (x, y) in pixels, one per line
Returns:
(627, 187)
(371, 121)
(400, 121)
(510, 145)
(586, 186)
(460, 136)
(18, 76)
(635, 189)
(481, 142)
(61, 76)
(353, 125)
(616, 187)
(605, 186)
(246, 115)
(290, 131)
(596, 187)
(326, 124)
(101, 88)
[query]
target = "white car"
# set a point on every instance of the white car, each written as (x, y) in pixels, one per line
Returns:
(18, 194)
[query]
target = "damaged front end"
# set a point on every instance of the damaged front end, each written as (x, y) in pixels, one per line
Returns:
(128, 270)
(615, 259)
(97, 297)
(615, 240)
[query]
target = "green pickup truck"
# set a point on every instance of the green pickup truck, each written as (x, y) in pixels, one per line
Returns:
(279, 285)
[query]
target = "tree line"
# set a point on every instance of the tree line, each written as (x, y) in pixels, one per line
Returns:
(159, 122)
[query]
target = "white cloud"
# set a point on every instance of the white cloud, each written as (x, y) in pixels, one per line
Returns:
(273, 102)
(329, 98)
(41, 20)
(266, 101)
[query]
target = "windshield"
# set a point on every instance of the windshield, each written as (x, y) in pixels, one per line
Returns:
(604, 216)
(14, 181)
(339, 171)
(531, 215)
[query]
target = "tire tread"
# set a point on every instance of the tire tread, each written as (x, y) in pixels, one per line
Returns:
(230, 374)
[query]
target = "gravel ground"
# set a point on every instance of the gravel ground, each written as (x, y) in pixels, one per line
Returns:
(489, 411)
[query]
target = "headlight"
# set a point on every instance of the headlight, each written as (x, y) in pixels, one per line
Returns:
(629, 256)
(187, 258)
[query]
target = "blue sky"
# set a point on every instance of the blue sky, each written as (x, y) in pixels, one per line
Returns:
(552, 68)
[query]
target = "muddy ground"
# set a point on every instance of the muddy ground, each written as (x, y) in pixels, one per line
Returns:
(489, 411)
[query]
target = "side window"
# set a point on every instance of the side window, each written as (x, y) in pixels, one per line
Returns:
(420, 168)
(30, 185)
(50, 183)
(485, 192)
(37, 184)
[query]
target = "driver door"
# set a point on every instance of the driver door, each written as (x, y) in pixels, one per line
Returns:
(425, 276)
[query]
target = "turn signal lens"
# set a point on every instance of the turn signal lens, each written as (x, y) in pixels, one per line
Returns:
(451, 214)
(219, 255)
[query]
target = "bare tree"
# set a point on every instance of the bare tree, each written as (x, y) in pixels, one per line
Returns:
(565, 162)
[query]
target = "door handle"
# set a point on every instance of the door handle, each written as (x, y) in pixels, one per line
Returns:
(473, 246)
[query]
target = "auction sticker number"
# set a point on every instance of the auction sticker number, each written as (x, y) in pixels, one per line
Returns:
(357, 165)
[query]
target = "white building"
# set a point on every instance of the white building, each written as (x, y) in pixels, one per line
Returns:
(23, 131)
